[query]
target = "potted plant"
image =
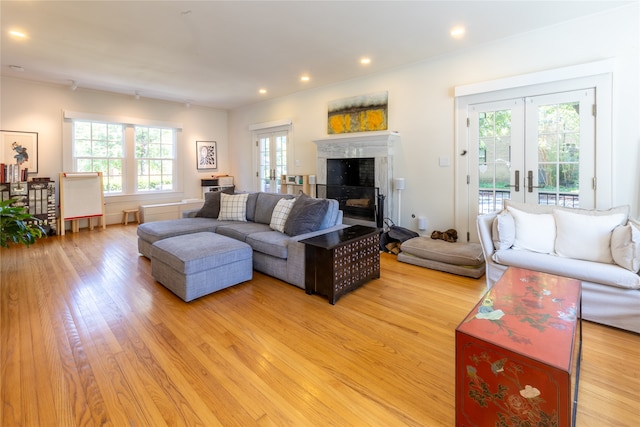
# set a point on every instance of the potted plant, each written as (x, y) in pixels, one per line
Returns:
(17, 225)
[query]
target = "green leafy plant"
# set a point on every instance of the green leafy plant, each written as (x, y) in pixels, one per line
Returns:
(18, 226)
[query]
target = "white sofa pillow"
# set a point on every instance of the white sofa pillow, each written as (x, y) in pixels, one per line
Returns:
(586, 237)
(534, 232)
(233, 207)
(625, 246)
(504, 230)
(280, 214)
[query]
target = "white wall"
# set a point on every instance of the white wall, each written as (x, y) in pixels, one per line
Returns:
(37, 107)
(421, 108)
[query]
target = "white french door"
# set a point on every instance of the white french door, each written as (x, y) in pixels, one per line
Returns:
(537, 149)
(272, 160)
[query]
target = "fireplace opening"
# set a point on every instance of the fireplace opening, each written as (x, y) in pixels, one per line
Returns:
(351, 172)
(351, 182)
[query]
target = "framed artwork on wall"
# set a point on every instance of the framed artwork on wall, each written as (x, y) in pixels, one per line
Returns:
(363, 113)
(206, 155)
(17, 147)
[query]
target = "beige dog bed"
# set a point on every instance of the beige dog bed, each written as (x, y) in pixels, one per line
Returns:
(462, 258)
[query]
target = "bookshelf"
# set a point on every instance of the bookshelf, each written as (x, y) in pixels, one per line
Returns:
(37, 196)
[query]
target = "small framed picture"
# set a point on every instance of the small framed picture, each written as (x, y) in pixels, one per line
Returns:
(206, 155)
(20, 148)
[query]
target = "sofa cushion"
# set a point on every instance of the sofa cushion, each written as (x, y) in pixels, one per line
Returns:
(534, 232)
(240, 230)
(151, 232)
(270, 242)
(233, 207)
(586, 237)
(280, 214)
(211, 207)
(306, 215)
(589, 271)
(333, 215)
(548, 209)
(625, 246)
(252, 198)
(265, 204)
(503, 230)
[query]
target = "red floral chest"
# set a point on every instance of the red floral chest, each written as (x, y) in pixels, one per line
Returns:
(517, 353)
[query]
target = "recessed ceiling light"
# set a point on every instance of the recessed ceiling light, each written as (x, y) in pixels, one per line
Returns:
(305, 78)
(365, 61)
(457, 32)
(19, 34)
(262, 91)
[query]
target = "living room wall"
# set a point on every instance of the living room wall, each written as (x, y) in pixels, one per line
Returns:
(421, 108)
(38, 107)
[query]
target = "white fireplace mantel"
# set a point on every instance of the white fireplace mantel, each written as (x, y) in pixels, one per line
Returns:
(378, 145)
(365, 144)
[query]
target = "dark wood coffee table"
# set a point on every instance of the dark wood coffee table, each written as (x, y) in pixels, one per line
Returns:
(341, 261)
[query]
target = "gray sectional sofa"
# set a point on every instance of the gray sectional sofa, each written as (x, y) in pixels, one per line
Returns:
(276, 253)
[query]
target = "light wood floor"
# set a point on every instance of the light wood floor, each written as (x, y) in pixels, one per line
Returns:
(89, 338)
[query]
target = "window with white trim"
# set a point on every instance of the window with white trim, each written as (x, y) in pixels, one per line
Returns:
(155, 158)
(99, 147)
(133, 159)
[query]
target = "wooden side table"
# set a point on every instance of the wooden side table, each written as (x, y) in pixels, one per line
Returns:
(518, 353)
(341, 261)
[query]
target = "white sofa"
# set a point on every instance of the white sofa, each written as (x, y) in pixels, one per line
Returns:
(601, 248)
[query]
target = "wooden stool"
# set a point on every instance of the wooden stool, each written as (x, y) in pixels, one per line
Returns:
(125, 215)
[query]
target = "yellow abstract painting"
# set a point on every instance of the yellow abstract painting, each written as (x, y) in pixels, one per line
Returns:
(363, 113)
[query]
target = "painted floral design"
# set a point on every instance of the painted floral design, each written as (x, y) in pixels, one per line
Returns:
(516, 404)
(525, 308)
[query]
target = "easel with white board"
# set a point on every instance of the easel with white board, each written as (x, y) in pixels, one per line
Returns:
(81, 197)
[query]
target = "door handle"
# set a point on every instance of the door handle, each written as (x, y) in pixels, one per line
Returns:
(517, 184)
(530, 185)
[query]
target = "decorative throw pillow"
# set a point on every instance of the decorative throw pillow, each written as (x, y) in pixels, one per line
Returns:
(534, 232)
(265, 203)
(625, 246)
(504, 230)
(306, 215)
(280, 214)
(211, 207)
(233, 207)
(586, 237)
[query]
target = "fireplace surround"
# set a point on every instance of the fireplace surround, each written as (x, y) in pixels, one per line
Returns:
(366, 145)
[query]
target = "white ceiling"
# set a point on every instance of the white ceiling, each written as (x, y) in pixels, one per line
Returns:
(220, 53)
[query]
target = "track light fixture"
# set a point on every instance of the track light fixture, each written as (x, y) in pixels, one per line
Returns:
(74, 85)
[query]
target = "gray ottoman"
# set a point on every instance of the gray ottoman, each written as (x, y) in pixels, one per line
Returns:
(198, 264)
(462, 258)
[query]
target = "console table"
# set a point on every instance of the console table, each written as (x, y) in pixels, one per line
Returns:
(340, 261)
(518, 353)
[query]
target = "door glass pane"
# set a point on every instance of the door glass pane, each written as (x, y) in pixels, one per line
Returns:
(494, 159)
(559, 154)
(281, 159)
(272, 156)
(265, 164)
